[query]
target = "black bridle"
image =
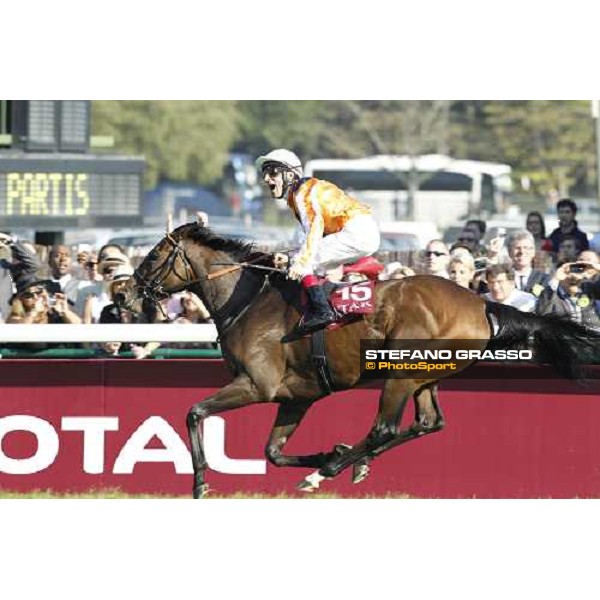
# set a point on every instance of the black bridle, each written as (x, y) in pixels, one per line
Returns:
(151, 286)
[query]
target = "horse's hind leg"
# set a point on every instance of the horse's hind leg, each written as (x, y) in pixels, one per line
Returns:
(428, 419)
(391, 407)
(428, 414)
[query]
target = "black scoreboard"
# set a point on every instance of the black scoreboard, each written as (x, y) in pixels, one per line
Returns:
(57, 191)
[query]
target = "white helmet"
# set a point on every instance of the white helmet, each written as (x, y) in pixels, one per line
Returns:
(283, 157)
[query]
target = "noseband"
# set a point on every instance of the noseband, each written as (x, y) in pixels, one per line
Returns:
(151, 286)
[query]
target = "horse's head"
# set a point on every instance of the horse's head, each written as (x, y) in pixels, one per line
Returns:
(190, 256)
(165, 270)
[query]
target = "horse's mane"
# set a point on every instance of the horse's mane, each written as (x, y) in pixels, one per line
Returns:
(206, 237)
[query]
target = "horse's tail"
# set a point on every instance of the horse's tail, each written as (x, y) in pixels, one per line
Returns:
(555, 340)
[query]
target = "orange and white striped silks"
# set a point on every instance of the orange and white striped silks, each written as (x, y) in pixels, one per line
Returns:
(322, 209)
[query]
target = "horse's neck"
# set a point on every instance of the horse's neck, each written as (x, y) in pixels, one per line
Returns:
(229, 296)
(289, 291)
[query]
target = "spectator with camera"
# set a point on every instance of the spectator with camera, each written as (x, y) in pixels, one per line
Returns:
(82, 257)
(592, 284)
(35, 302)
(92, 299)
(16, 261)
(573, 291)
(114, 313)
(494, 247)
(91, 285)
(192, 309)
(185, 308)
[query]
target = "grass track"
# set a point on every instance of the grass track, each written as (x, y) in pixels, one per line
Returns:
(115, 494)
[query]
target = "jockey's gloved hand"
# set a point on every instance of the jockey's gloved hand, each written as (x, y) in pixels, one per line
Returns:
(296, 272)
(280, 260)
(6, 239)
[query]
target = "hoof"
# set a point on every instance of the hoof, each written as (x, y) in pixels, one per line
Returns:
(311, 482)
(341, 449)
(306, 487)
(201, 491)
(360, 471)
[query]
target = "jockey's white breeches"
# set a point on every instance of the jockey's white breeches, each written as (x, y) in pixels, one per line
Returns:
(359, 237)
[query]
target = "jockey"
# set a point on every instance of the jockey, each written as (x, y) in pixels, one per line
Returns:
(335, 229)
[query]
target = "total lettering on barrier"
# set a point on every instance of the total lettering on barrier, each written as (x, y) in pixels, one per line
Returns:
(134, 451)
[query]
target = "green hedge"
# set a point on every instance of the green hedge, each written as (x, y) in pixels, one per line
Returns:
(76, 353)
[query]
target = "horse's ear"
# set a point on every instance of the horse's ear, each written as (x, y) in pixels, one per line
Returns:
(202, 219)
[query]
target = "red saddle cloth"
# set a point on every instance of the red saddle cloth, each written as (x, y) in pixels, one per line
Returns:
(357, 299)
(367, 265)
(351, 300)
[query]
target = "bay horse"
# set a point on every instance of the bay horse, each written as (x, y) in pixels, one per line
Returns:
(254, 308)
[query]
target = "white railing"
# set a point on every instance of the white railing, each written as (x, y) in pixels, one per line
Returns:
(10, 333)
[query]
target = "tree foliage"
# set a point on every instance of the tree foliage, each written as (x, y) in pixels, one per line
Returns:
(344, 128)
(181, 140)
(550, 143)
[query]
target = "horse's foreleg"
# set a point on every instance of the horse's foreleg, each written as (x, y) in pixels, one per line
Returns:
(287, 421)
(240, 392)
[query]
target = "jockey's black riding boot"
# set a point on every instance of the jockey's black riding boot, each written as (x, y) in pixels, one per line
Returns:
(319, 313)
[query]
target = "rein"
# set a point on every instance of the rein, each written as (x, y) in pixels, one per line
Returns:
(152, 290)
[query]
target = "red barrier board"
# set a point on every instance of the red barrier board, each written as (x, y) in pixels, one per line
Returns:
(80, 425)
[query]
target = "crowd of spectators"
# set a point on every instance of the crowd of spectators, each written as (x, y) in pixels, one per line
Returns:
(50, 285)
(554, 274)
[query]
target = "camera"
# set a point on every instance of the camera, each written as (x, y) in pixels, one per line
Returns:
(577, 268)
(481, 263)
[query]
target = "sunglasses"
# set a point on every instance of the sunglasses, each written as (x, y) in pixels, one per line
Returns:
(272, 170)
(90, 265)
(464, 239)
(434, 253)
(33, 293)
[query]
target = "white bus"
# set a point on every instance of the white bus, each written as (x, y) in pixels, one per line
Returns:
(449, 190)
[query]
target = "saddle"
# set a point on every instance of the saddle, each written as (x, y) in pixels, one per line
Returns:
(349, 301)
(352, 299)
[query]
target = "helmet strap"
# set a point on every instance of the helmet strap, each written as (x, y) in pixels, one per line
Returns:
(287, 184)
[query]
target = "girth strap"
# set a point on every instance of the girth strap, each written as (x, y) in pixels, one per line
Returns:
(319, 359)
